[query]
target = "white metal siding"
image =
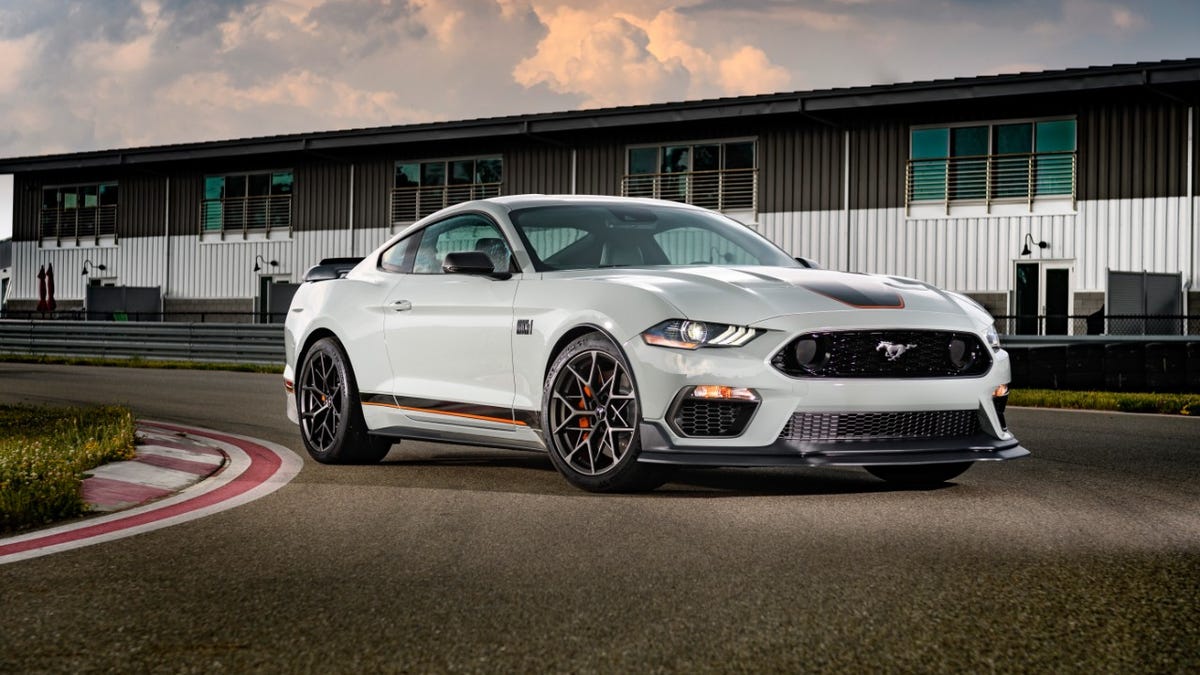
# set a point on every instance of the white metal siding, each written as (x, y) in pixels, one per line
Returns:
(968, 254)
(977, 254)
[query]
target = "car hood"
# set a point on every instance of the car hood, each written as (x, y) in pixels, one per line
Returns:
(747, 295)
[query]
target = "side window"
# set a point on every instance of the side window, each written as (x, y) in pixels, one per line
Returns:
(399, 255)
(698, 246)
(468, 232)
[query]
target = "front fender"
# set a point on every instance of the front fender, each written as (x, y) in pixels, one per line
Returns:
(557, 307)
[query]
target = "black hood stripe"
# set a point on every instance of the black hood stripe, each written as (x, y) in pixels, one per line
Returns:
(864, 294)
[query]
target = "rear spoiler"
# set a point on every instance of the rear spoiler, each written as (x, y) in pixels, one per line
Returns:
(331, 268)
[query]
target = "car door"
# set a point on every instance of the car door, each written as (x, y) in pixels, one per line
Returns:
(449, 336)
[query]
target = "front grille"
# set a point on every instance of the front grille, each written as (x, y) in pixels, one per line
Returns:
(712, 418)
(881, 426)
(884, 354)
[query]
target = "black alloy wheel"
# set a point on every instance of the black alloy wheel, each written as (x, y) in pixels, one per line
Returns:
(590, 418)
(331, 419)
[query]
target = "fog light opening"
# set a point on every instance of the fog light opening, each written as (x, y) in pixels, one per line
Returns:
(721, 392)
(1000, 401)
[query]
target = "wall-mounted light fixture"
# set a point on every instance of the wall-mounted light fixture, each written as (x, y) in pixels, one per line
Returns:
(88, 264)
(1029, 240)
(259, 261)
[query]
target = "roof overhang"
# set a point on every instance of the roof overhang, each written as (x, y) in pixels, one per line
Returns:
(549, 125)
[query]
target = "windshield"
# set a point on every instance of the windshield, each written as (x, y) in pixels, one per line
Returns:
(591, 236)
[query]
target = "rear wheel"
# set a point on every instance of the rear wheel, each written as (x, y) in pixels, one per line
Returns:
(590, 417)
(917, 475)
(331, 419)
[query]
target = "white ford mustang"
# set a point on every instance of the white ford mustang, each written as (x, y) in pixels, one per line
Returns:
(624, 336)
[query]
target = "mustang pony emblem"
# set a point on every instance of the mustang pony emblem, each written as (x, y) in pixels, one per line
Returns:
(892, 350)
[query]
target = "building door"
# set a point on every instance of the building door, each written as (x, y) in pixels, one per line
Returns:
(1043, 298)
(274, 296)
(1056, 299)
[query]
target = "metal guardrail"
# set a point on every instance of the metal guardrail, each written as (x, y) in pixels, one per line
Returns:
(201, 316)
(209, 342)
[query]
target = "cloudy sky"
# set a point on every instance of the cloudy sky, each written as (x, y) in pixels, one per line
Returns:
(92, 74)
(84, 75)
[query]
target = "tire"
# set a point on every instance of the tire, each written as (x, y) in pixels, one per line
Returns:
(331, 419)
(919, 475)
(590, 417)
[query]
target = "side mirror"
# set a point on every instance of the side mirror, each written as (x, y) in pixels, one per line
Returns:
(472, 262)
(811, 264)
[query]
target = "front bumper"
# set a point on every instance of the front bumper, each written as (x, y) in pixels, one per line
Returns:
(662, 374)
(658, 448)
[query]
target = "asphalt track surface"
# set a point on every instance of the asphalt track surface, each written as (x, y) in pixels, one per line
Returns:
(1084, 557)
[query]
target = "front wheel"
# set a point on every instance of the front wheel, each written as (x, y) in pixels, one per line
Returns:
(919, 475)
(331, 419)
(590, 417)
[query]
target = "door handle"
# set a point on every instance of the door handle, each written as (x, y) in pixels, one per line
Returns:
(402, 305)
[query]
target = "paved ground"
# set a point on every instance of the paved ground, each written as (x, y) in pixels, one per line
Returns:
(1083, 558)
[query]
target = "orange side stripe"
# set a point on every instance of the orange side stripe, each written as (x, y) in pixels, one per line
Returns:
(447, 412)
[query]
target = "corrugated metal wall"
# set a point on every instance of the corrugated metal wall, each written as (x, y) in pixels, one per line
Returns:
(800, 169)
(321, 196)
(816, 235)
(27, 202)
(373, 181)
(1132, 149)
(187, 191)
(141, 205)
(878, 153)
(977, 254)
(599, 168)
(537, 168)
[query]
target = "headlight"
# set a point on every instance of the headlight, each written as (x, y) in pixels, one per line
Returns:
(685, 334)
(993, 338)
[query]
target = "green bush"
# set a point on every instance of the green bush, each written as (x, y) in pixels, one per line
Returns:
(44, 453)
(1167, 404)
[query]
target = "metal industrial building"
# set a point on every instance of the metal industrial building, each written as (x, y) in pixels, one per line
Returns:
(1041, 194)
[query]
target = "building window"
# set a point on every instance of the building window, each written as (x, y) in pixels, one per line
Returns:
(242, 202)
(78, 211)
(721, 175)
(422, 188)
(992, 163)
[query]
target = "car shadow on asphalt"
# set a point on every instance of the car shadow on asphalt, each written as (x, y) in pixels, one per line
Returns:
(534, 474)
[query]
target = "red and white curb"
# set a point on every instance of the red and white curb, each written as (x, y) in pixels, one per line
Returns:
(166, 463)
(255, 468)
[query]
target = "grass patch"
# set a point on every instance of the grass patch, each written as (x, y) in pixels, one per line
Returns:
(137, 362)
(1167, 404)
(44, 453)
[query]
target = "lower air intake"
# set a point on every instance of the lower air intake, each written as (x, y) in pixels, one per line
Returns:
(881, 426)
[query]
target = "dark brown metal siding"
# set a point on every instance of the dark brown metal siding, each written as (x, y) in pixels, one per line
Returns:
(598, 169)
(800, 169)
(1130, 150)
(877, 156)
(372, 193)
(321, 196)
(141, 206)
(27, 204)
(187, 191)
(537, 168)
